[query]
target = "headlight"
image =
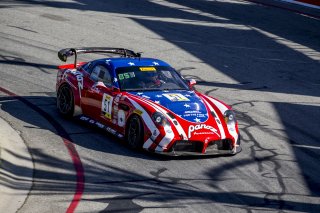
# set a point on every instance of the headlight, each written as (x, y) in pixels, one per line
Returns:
(229, 117)
(160, 119)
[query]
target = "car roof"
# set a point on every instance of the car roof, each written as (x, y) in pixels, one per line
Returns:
(127, 62)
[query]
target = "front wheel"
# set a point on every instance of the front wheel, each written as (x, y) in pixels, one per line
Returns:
(135, 132)
(65, 103)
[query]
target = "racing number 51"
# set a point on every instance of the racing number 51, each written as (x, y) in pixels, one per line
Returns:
(107, 105)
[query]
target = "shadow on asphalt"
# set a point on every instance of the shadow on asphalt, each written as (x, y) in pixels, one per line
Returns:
(133, 184)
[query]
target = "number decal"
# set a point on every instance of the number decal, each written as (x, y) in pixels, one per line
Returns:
(106, 106)
(126, 75)
(176, 97)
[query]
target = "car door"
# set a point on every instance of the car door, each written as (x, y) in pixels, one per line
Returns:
(88, 82)
(99, 98)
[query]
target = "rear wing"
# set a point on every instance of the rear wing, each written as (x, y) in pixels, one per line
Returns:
(65, 53)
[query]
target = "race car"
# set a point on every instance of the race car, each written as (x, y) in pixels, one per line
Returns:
(145, 102)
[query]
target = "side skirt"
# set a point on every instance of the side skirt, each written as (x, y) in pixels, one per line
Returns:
(95, 123)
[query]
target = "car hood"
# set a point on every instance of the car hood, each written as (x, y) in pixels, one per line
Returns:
(185, 104)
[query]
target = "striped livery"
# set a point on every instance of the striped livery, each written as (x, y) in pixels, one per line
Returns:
(167, 117)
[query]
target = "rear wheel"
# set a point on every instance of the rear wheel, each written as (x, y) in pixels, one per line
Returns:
(65, 103)
(135, 132)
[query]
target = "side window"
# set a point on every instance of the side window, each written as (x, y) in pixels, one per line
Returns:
(107, 79)
(95, 73)
(100, 73)
(87, 67)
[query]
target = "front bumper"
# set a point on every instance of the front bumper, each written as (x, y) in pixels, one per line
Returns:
(215, 148)
(217, 153)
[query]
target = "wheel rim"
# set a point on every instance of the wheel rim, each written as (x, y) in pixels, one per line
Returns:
(134, 132)
(64, 100)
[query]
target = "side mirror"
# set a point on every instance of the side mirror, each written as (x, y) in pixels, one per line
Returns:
(99, 85)
(191, 83)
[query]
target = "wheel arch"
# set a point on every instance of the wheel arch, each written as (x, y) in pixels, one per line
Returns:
(69, 113)
(130, 117)
(142, 123)
(76, 98)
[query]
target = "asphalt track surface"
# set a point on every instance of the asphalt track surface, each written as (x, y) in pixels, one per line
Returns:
(264, 61)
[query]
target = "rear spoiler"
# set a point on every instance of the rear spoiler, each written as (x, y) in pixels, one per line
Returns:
(65, 53)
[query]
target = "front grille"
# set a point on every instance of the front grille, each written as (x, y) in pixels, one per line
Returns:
(187, 146)
(225, 144)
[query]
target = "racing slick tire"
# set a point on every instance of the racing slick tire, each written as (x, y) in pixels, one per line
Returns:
(134, 133)
(65, 101)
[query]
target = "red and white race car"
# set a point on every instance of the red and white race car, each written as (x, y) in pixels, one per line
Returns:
(146, 102)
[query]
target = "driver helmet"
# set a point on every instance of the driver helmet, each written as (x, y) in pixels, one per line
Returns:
(151, 76)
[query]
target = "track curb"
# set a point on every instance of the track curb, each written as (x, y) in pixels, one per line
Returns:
(16, 169)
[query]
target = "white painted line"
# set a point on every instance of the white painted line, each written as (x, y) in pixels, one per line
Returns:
(306, 146)
(302, 3)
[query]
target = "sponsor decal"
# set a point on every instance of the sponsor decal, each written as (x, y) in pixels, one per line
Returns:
(191, 112)
(83, 118)
(116, 100)
(193, 128)
(78, 76)
(203, 133)
(100, 125)
(176, 97)
(199, 115)
(106, 107)
(80, 80)
(137, 111)
(121, 118)
(155, 133)
(218, 121)
(147, 69)
(126, 75)
(112, 131)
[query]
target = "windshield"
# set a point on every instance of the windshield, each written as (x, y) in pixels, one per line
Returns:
(149, 78)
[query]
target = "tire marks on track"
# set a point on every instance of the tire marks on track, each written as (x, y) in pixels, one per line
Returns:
(80, 179)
